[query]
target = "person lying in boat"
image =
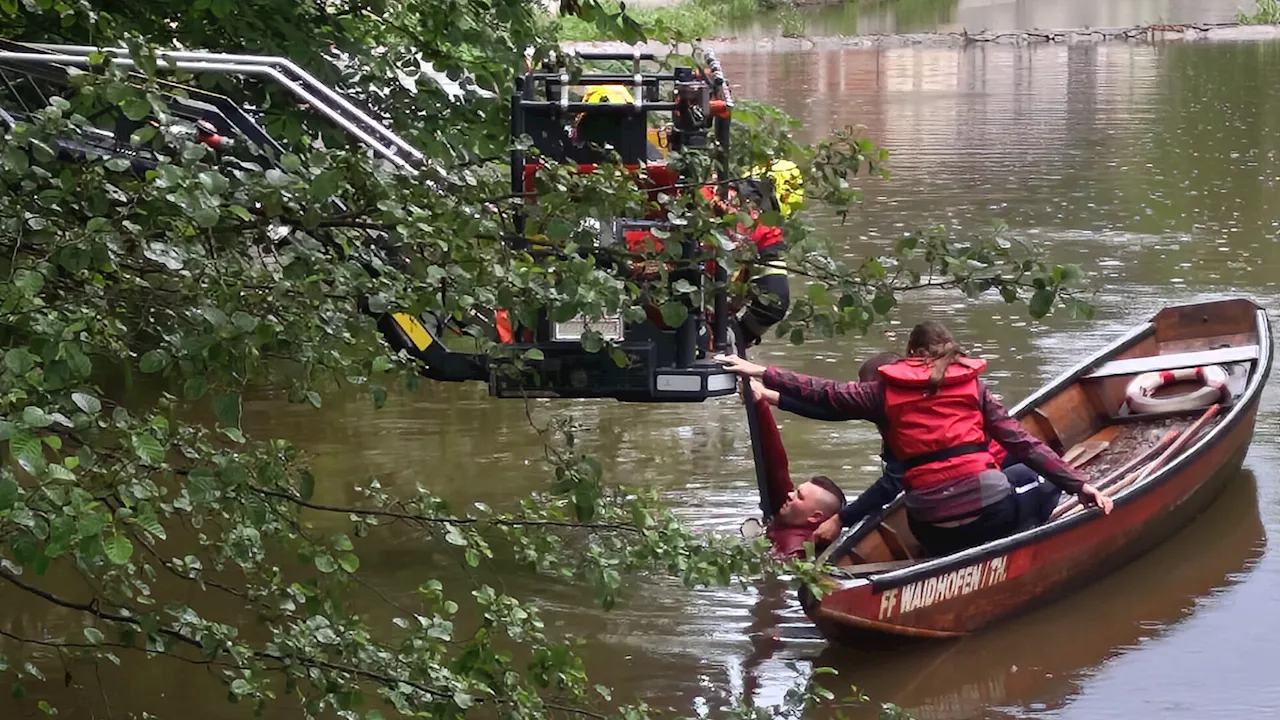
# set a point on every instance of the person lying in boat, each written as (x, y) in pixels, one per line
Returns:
(794, 511)
(1035, 497)
(938, 416)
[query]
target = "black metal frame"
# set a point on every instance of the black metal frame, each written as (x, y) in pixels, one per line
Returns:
(567, 370)
(541, 98)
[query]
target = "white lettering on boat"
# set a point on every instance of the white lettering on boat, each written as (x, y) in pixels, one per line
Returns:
(939, 588)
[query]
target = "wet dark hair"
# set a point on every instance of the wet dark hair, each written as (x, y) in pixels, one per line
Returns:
(870, 370)
(830, 486)
(933, 342)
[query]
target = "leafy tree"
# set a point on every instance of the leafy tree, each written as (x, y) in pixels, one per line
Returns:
(138, 310)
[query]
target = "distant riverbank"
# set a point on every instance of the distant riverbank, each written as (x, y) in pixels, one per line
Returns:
(1145, 33)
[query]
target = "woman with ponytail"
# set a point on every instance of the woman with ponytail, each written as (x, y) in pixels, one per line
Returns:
(938, 418)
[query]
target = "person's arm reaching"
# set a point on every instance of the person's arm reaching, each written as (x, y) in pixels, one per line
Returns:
(1035, 454)
(804, 409)
(776, 466)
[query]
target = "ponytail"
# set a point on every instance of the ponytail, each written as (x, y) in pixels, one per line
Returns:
(933, 343)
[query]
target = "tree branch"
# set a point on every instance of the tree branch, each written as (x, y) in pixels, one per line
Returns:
(414, 517)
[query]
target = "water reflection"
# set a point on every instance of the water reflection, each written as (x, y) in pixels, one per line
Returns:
(916, 16)
(1040, 661)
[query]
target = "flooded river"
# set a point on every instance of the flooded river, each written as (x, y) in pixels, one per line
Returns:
(914, 16)
(1154, 167)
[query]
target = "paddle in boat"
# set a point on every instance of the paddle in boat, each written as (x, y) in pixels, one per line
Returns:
(1160, 420)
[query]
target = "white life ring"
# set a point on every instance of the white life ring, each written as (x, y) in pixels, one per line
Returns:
(1139, 394)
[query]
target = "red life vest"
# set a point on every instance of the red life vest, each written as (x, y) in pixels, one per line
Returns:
(938, 437)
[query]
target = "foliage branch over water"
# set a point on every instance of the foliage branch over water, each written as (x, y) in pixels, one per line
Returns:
(137, 313)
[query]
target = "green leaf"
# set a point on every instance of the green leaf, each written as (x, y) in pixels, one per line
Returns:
(29, 451)
(1069, 273)
(195, 388)
(227, 409)
(206, 217)
(93, 635)
(142, 135)
(454, 536)
(818, 294)
(16, 159)
(313, 397)
(86, 402)
(306, 485)
(533, 355)
(592, 341)
(379, 396)
(1041, 302)
(59, 472)
(151, 524)
(326, 184)
(349, 562)
(240, 686)
(153, 361)
(883, 302)
(674, 314)
(19, 360)
(35, 417)
(148, 448)
(29, 282)
(1079, 309)
(136, 108)
(9, 493)
(325, 564)
(118, 549)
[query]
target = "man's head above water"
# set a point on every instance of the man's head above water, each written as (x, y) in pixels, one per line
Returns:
(870, 370)
(811, 502)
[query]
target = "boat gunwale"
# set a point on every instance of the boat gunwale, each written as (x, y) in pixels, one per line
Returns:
(1247, 403)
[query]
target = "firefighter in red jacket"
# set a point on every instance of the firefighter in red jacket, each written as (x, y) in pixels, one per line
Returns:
(939, 419)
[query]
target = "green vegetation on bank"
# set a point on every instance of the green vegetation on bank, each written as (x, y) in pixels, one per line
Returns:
(681, 21)
(1267, 12)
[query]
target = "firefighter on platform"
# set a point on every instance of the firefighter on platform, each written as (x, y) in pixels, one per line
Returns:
(780, 189)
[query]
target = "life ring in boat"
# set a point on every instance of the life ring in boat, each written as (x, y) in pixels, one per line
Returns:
(1140, 393)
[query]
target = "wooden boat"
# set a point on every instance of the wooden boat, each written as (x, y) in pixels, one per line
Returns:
(1161, 469)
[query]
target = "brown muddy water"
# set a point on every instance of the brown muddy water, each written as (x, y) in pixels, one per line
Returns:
(1154, 167)
(916, 16)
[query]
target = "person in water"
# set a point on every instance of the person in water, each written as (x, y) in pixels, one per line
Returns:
(794, 511)
(883, 490)
(936, 416)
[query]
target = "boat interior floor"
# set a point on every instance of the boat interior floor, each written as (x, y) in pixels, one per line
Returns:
(889, 545)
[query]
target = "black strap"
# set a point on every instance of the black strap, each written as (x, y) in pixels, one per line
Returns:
(940, 455)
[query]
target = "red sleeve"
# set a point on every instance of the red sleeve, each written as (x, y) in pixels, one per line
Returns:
(850, 400)
(1027, 447)
(998, 452)
(775, 456)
